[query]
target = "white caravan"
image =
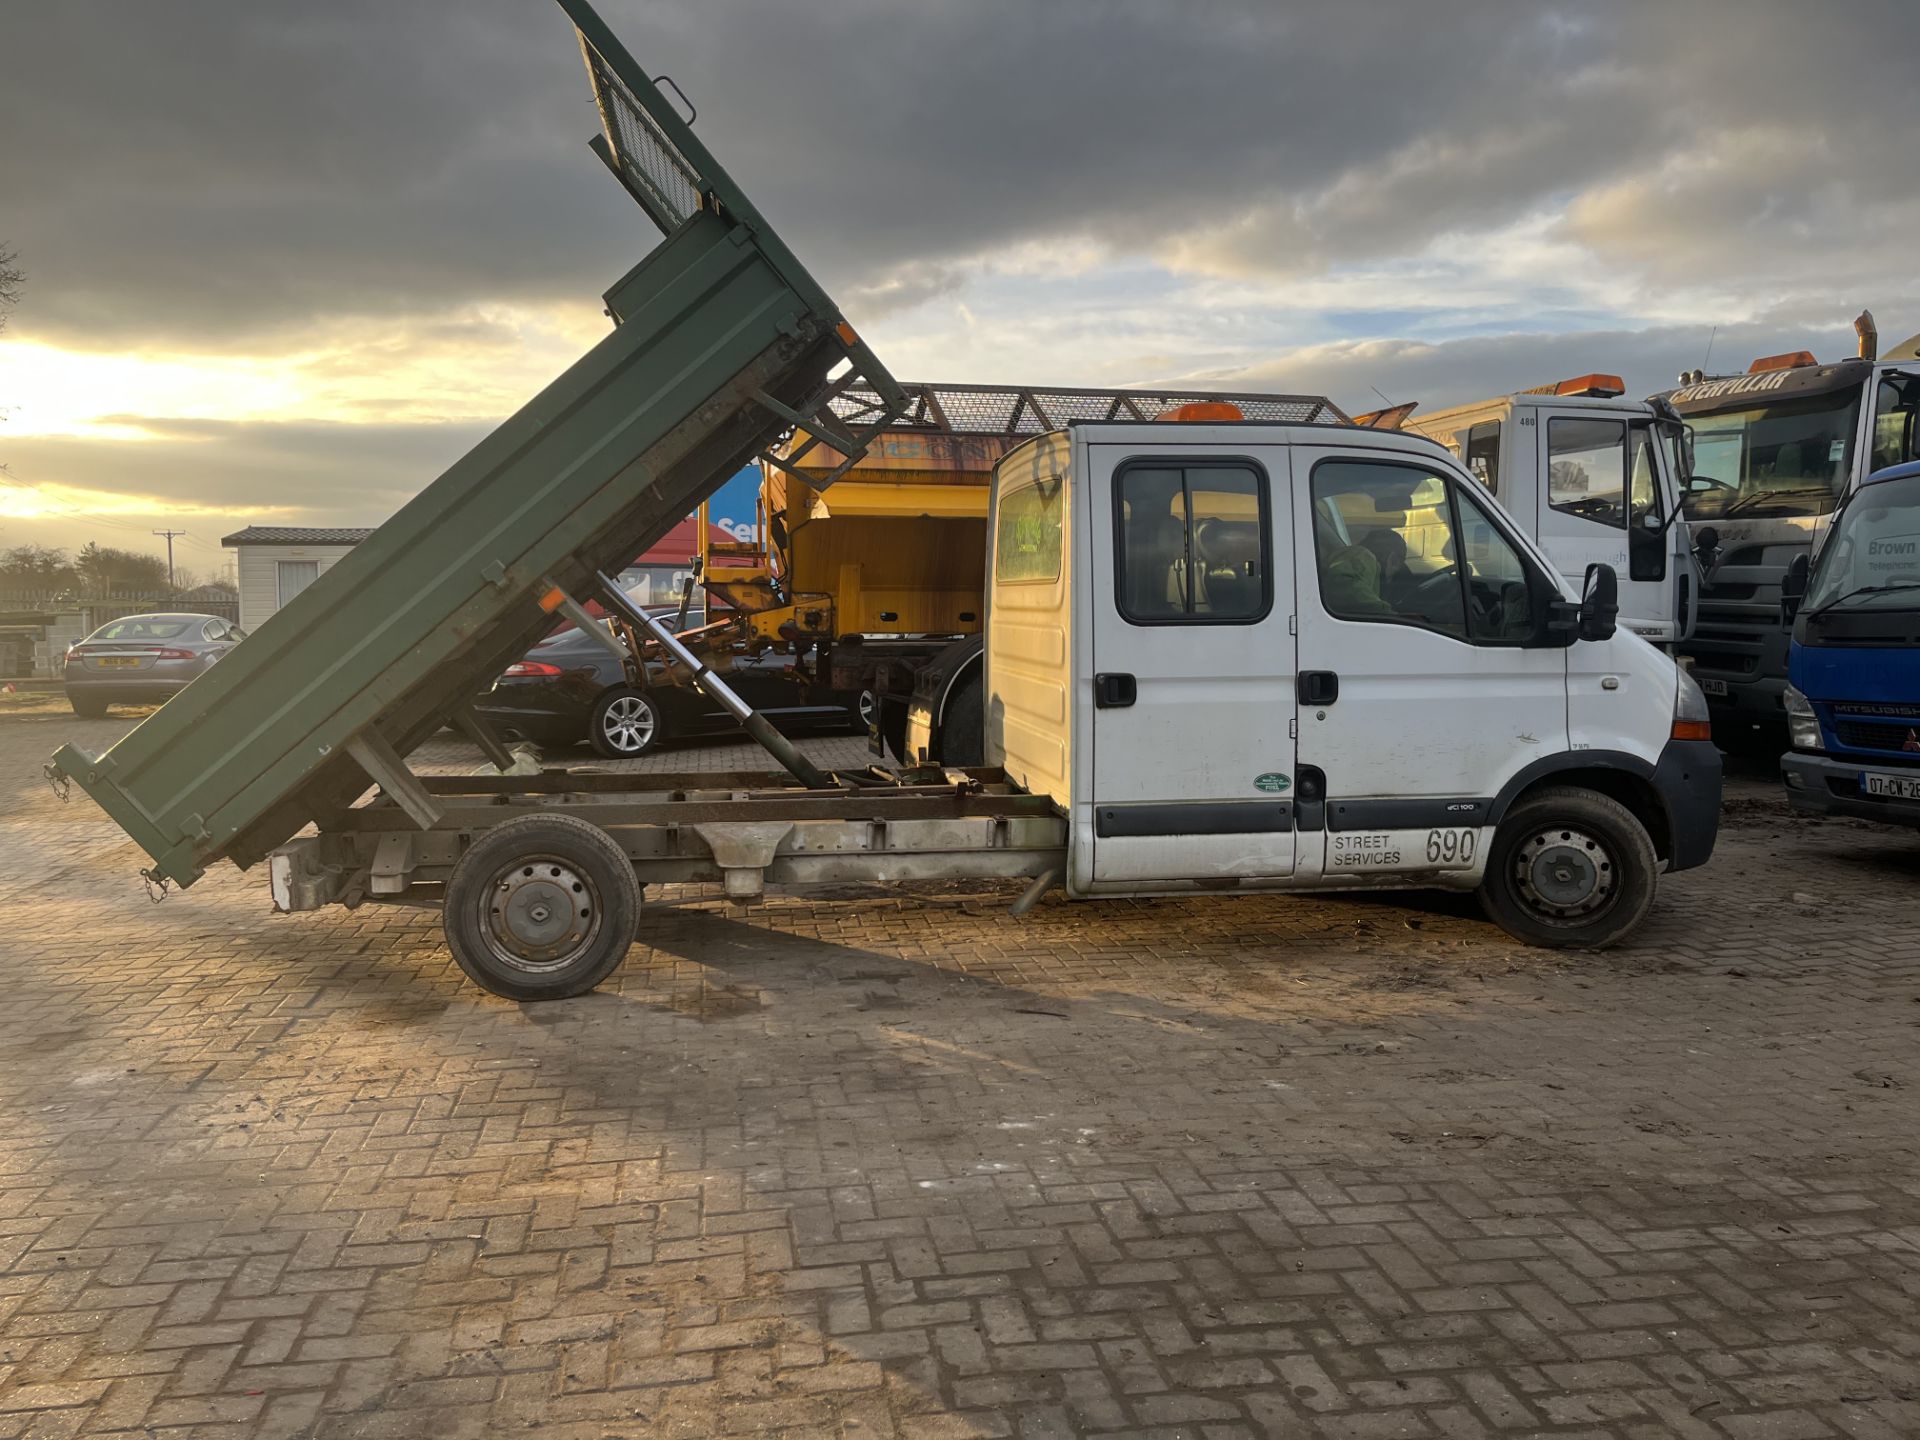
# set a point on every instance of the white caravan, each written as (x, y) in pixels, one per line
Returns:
(1595, 479)
(1246, 656)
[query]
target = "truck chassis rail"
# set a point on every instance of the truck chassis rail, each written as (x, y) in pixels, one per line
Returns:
(739, 829)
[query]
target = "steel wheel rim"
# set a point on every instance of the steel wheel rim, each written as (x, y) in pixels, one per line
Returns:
(628, 724)
(540, 914)
(1565, 874)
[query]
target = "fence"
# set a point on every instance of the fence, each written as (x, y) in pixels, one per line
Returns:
(111, 604)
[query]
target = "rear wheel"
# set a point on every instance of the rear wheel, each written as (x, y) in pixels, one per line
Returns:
(1569, 869)
(626, 724)
(963, 727)
(541, 908)
(86, 708)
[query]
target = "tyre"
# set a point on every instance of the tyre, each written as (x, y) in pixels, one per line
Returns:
(963, 728)
(626, 724)
(86, 708)
(541, 908)
(1569, 869)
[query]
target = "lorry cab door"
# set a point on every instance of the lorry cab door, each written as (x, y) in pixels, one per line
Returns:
(1604, 500)
(1191, 593)
(1419, 699)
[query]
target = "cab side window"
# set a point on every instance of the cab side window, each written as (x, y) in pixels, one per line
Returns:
(1483, 454)
(1193, 544)
(1398, 544)
(1587, 469)
(1896, 422)
(1643, 491)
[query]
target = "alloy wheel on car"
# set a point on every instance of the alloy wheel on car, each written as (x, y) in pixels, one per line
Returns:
(628, 723)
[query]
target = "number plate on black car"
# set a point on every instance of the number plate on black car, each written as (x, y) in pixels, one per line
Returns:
(1893, 787)
(1710, 686)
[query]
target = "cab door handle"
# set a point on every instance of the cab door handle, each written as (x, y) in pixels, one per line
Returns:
(1318, 687)
(1114, 691)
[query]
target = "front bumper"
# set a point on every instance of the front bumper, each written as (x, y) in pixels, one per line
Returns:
(1822, 785)
(1756, 701)
(1688, 781)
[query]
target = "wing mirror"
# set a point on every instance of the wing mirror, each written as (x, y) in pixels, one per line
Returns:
(1793, 588)
(1706, 545)
(1599, 603)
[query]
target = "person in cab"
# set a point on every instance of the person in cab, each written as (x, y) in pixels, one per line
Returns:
(1360, 577)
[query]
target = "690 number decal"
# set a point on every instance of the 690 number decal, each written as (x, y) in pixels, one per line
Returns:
(1452, 847)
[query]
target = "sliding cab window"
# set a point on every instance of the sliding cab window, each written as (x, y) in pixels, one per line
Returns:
(1587, 469)
(1027, 535)
(1192, 543)
(1398, 544)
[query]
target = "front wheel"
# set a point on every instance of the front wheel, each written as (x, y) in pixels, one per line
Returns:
(541, 908)
(626, 724)
(1569, 869)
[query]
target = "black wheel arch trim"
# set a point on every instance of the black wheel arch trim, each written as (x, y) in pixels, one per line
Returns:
(1685, 781)
(1565, 761)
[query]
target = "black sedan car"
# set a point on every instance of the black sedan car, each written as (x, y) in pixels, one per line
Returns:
(570, 689)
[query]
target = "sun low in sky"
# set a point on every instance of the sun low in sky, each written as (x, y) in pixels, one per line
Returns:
(285, 265)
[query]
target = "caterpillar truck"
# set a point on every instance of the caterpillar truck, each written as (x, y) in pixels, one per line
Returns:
(1771, 455)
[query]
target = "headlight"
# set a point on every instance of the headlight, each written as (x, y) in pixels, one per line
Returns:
(1803, 726)
(1690, 718)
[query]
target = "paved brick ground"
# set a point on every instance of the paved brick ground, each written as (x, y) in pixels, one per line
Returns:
(868, 1166)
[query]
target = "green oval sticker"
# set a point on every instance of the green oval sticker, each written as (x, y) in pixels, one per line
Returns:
(1272, 783)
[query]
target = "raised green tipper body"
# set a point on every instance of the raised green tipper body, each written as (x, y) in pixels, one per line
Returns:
(721, 342)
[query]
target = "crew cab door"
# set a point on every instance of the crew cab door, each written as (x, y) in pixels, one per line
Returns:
(1418, 700)
(1191, 591)
(1605, 498)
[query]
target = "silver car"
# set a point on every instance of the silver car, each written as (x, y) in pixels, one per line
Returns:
(144, 659)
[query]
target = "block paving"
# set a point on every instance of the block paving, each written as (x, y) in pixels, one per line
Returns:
(882, 1163)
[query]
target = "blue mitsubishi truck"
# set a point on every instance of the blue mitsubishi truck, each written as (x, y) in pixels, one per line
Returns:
(1853, 693)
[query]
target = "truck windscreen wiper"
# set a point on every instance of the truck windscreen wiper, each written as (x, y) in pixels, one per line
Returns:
(1863, 590)
(1747, 502)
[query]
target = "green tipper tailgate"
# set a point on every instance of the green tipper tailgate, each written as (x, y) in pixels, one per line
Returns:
(721, 340)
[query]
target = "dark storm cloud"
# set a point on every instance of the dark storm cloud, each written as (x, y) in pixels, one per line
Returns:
(185, 171)
(1361, 375)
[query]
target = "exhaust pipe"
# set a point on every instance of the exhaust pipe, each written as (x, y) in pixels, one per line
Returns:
(1868, 334)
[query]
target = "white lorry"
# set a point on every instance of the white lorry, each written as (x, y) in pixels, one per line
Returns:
(1592, 477)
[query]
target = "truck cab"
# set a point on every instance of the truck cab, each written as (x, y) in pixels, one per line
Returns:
(1772, 454)
(1853, 694)
(1247, 656)
(1594, 478)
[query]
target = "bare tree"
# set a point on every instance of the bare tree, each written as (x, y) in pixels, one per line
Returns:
(12, 279)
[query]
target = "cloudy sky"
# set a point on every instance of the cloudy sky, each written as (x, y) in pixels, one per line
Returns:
(286, 261)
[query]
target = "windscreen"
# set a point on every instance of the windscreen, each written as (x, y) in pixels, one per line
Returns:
(1775, 458)
(1872, 559)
